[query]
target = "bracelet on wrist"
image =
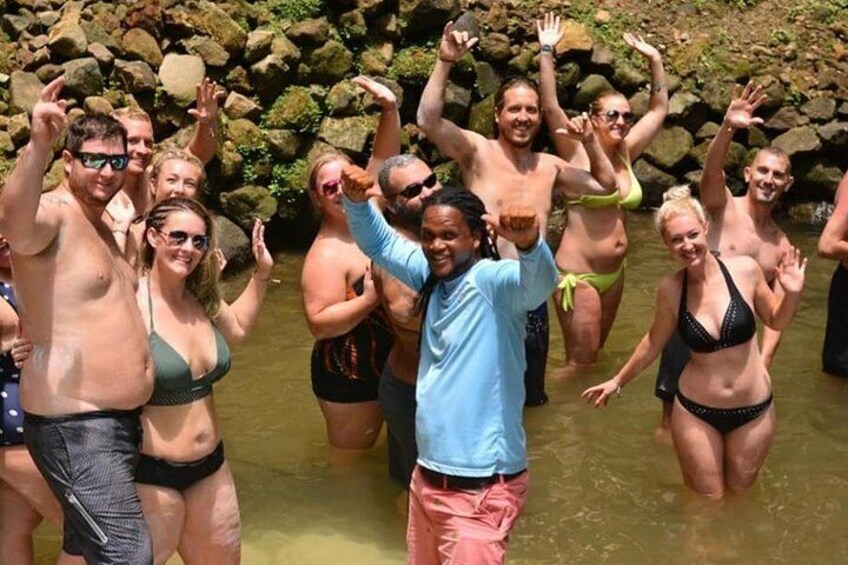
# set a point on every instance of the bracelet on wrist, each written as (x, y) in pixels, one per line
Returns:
(547, 49)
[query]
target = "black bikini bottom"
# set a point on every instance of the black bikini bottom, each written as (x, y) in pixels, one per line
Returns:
(725, 420)
(179, 476)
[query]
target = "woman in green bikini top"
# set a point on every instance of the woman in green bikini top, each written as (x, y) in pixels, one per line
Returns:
(591, 255)
(183, 480)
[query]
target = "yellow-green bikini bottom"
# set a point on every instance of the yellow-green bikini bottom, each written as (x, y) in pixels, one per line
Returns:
(602, 283)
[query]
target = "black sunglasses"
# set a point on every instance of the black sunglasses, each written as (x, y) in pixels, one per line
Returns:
(613, 115)
(414, 189)
(176, 238)
(98, 160)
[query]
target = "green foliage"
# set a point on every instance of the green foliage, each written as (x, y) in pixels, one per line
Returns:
(295, 109)
(297, 10)
(288, 185)
(256, 160)
(741, 4)
(413, 65)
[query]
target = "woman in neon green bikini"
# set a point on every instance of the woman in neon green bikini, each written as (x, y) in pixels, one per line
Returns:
(591, 256)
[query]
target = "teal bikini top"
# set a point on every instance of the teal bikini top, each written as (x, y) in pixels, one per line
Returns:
(629, 202)
(173, 383)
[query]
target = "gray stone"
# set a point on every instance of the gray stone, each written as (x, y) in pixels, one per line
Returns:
(603, 60)
(757, 137)
(424, 16)
(670, 147)
(823, 175)
(639, 103)
(248, 203)
(6, 144)
(776, 93)
(820, 109)
(83, 78)
(48, 18)
(267, 76)
(330, 62)
(18, 128)
(842, 111)
(258, 44)
(496, 47)
(139, 45)
(180, 75)
(591, 86)
(284, 48)
(95, 33)
(654, 182)
(135, 76)
(316, 31)
(457, 102)
(101, 54)
(244, 133)
(707, 131)
(785, 119)
(688, 110)
(735, 156)
(522, 63)
(15, 24)
(231, 162)
(48, 72)
(212, 53)
(233, 243)
(481, 118)
(238, 106)
(815, 213)
(834, 134)
(283, 144)
(349, 134)
(24, 90)
(488, 80)
(628, 78)
(97, 105)
(33, 60)
(342, 100)
(67, 40)
(798, 140)
(716, 95)
(203, 17)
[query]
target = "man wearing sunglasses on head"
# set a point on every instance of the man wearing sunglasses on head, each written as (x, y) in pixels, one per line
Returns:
(88, 373)
(505, 171)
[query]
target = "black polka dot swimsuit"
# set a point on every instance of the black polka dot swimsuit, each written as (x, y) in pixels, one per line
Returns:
(11, 426)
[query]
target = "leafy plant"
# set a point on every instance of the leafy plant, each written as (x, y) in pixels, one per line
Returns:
(297, 10)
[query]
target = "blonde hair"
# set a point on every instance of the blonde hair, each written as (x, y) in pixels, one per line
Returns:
(176, 154)
(315, 166)
(132, 113)
(678, 201)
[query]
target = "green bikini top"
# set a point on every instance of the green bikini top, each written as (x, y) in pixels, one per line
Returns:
(629, 202)
(173, 383)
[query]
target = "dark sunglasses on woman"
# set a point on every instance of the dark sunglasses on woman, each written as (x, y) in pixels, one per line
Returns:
(331, 187)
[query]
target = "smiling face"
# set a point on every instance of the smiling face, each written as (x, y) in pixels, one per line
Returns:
(327, 188)
(176, 244)
(611, 115)
(176, 178)
(139, 143)
(518, 118)
(447, 242)
(768, 177)
(685, 236)
(404, 181)
(94, 187)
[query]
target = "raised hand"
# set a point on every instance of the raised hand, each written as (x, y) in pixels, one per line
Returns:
(357, 184)
(791, 271)
(636, 43)
(121, 210)
(599, 394)
(578, 128)
(455, 44)
(381, 93)
(518, 224)
(740, 112)
(222, 259)
(48, 115)
(550, 30)
(264, 260)
(208, 98)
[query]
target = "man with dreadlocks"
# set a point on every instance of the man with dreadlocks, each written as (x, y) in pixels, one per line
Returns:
(471, 480)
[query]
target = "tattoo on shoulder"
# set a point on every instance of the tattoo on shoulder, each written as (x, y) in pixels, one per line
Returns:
(52, 199)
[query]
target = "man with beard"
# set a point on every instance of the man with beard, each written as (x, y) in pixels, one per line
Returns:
(505, 171)
(405, 181)
(739, 225)
(89, 371)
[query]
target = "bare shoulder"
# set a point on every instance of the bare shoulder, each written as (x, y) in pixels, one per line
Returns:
(668, 292)
(742, 266)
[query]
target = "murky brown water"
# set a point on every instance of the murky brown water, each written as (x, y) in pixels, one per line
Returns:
(604, 490)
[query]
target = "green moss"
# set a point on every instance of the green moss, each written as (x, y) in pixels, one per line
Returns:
(413, 65)
(297, 10)
(296, 110)
(288, 185)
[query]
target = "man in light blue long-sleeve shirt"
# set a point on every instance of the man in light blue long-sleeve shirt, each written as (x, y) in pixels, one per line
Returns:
(471, 480)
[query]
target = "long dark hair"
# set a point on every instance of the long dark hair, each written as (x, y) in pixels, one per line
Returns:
(471, 208)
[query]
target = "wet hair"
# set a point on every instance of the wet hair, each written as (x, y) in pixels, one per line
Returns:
(509, 84)
(93, 127)
(390, 164)
(132, 113)
(678, 201)
(203, 281)
(597, 101)
(176, 154)
(471, 208)
(777, 152)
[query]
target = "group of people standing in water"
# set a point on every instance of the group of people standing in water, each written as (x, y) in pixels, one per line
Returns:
(428, 304)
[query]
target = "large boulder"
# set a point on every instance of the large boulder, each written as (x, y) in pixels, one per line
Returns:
(576, 39)
(798, 140)
(284, 48)
(688, 110)
(496, 47)
(315, 31)
(139, 45)
(244, 133)
(24, 90)
(202, 17)
(283, 144)
(669, 148)
(18, 128)
(180, 75)
(834, 134)
(457, 101)
(482, 117)
(591, 86)
(330, 62)
(785, 119)
(248, 203)
(134, 76)
(6, 145)
(267, 76)
(101, 54)
(97, 105)
(820, 109)
(238, 106)
(233, 243)
(823, 176)
(487, 79)
(258, 44)
(295, 109)
(67, 40)
(349, 134)
(343, 99)
(83, 78)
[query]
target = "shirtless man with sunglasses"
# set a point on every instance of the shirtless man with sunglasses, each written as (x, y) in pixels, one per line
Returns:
(505, 171)
(89, 371)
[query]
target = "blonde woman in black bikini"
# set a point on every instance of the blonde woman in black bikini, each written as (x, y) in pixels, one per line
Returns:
(723, 418)
(591, 255)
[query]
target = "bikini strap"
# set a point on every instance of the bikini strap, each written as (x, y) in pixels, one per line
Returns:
(682, 307)
(731, 286)
(150, 304)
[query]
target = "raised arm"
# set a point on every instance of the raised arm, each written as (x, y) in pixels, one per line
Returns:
(204, 142)
(775, 310)
(740, 114)
(387, 138)
(452, 141)
(573, 181)
(651, 345)
(28, 224)
(237, 319)
(644, 131)
(833, 243)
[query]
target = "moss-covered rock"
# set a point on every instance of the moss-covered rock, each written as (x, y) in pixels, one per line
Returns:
(481, 119)
(342, 100)
(267, 76)
(654, 182)
(18, 128)
(353, 25)
(412, 66)
(349, 134)
(487, 80)
(24, 90)
(283, 144)
(212, 52)
(233, 243)
(330, 62)
(591, 86)
(244, 133)
(311, 31)
(248, 203)
(200, 16)
(670, 147)
(258, 44)
(134, 77)
(97, 105)
(295, 109)
(420, 17)
(67, 40)
(798, 140)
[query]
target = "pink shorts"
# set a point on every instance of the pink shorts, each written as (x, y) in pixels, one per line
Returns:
(462, 527)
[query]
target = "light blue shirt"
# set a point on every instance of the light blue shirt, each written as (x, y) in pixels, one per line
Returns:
(470, 388)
